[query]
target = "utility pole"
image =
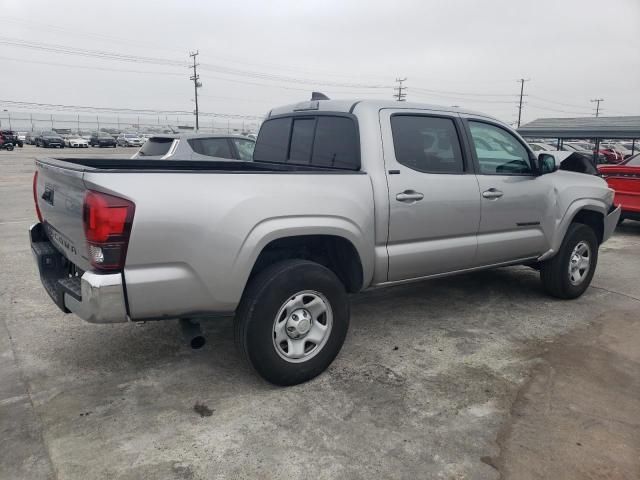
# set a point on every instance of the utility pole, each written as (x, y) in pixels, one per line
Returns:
(522, 80)
(597, 102)
(196, 83)
(400, 95)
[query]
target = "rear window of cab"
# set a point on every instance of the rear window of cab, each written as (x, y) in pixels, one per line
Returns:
(317, 140)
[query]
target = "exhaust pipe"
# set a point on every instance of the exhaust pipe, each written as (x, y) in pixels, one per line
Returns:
(192, 333)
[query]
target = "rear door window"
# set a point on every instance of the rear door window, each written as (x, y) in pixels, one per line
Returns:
(156, 147)
(427, 144)
(211, 147)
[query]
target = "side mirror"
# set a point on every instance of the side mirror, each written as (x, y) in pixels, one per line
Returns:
(546, 163)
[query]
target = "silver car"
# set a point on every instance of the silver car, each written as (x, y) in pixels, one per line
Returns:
(129, 140)
(197, 146)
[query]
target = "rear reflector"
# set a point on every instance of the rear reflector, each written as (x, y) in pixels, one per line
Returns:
(107, 225)
(35, 195)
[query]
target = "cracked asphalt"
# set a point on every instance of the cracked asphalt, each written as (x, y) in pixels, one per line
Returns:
(479, 376)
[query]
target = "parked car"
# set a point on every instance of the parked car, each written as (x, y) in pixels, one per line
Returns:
(624, 179)
(541, 147)
(611, 155)
(583, 148)
(22, 136)
(12, 137)
(30, 138)
(6, 143)
(76, 141)
(101, 139)
(617, 147)
(129, 140)
(49, 139)
(340, 196)
(194, 146)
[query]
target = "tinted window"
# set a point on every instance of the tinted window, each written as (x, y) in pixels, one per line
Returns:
(245, 148)
(336, 143)
(427, 144)
(273, 141)
(323, 141)
(212, 147)
(156, 146)
(498, 152)
(301, 140)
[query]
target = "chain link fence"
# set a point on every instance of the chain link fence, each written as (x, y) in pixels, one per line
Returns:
(83, 123)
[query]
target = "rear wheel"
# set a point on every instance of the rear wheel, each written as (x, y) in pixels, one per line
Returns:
(292, 321)
(569, 273)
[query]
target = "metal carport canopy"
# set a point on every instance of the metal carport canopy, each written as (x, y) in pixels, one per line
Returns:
(583, 127)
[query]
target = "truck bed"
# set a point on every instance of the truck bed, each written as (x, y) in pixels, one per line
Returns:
(206, 166)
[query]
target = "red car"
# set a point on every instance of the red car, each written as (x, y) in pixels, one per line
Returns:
(611, 155)
(624, 178)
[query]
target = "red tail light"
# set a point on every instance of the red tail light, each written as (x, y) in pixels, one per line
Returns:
(35, 195)
(107, 225)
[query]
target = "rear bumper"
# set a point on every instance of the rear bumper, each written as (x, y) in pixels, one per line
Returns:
(93, 297)
(610, 222)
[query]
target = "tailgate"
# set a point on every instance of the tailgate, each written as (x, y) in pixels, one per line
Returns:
(60, 192)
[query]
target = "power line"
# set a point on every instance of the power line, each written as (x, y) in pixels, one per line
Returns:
(105, 55)
(425, 90)
(138, 43)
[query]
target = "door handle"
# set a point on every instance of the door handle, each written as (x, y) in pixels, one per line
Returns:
(409, 196)
(492, 193)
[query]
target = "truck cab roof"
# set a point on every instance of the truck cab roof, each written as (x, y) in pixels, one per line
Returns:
(349, 106)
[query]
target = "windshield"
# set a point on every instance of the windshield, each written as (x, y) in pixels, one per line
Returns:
(634, 161)
(50, 134)
(104, 135)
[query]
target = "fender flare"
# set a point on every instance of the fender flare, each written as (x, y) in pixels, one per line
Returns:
(276, 228)
(592, 204)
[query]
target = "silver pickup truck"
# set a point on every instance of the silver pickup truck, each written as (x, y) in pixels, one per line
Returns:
(341, 196)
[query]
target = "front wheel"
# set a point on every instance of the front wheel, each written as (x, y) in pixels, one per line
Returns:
(569, 273)
(292, 321)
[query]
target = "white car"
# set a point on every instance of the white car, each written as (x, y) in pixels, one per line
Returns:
(76, 141)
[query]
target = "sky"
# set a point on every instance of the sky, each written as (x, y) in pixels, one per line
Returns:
(255, 55)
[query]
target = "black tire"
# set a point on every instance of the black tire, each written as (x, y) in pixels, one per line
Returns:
(10, 147)
(554, 272)
(262, 300)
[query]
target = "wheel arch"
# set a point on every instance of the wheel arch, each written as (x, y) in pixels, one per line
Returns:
(334, 242)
